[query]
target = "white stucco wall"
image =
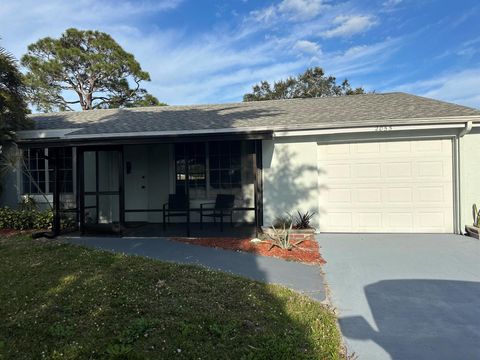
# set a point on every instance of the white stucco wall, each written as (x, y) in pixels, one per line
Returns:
(291, 174)
(290, 178)
(470, 175)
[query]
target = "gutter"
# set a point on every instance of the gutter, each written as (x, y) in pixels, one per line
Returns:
(375, 129)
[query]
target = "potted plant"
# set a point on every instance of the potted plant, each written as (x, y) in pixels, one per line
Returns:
(474, 230)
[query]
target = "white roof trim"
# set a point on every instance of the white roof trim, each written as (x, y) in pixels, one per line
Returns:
(380, 129)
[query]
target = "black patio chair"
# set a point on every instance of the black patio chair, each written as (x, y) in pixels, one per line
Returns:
(222, 207)
(177, 206)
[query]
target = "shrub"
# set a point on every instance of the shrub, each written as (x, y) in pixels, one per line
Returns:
(23, 219)
(299, 221)
(283, 221)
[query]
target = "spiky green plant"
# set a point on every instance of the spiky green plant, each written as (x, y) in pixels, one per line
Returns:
(281, 238)
(476, 215)
(302, 220)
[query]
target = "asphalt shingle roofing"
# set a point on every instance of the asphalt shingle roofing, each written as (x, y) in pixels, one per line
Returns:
(319, 113)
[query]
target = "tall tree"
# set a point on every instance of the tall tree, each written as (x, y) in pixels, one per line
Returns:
(13, 108)
(91, 64)
(312, 83)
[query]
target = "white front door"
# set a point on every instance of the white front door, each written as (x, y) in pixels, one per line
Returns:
(388, 186)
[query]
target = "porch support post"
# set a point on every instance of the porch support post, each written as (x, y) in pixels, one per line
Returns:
(56, 192)
(121, 182)
(187, 188)
(81, 190)
(258, 193)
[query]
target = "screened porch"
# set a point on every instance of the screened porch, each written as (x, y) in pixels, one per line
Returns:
(182, 188)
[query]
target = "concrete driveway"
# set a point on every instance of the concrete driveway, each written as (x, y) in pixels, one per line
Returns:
(306, 279)
(414, 296)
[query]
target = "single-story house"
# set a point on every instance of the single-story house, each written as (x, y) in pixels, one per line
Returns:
(390, 162)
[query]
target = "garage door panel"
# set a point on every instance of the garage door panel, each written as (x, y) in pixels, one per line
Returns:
(386, 186)
(397, 170)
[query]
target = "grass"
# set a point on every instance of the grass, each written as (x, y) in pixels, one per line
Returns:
(63, 301)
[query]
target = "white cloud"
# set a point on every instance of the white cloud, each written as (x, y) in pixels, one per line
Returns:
(308, 47)
(301, 9)
(290, 10)
(361, 59)
(391, 3)
(456, 86)
(191, 67)
(347, 25)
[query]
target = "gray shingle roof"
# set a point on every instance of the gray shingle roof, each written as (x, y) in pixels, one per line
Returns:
(331, 112)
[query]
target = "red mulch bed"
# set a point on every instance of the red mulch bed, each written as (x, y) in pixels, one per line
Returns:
(14, 232)
(307, 251)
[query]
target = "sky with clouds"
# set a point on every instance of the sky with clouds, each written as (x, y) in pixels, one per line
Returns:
(209, 51)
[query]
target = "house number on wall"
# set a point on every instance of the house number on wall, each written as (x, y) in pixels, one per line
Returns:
(384, 128)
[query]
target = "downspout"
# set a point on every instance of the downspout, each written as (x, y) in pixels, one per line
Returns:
(468, 127)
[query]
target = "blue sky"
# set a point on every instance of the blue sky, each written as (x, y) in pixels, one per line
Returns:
(214, 51)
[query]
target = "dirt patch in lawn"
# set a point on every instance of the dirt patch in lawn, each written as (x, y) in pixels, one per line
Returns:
(306, 252)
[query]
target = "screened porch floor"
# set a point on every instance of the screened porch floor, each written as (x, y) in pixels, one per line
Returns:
(180, 230)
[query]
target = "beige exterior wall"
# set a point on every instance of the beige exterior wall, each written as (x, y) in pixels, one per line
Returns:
(290, 178)
(470, 175)
(291, 175)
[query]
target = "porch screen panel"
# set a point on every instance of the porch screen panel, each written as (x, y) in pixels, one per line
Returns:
(192, 155)
(90, 171)
(65, 169)
(108, 162)
(34, 179)
(225, 160)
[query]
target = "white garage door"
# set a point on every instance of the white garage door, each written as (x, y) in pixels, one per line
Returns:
(394, 186)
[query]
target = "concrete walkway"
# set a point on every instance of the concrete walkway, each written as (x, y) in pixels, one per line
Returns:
(303, 278)
(414, 296)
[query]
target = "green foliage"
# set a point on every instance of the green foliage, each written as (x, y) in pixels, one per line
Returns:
(60, 330)
(59, 300)
(311, 84)
(302, 220)
(280, 237)
(89, 63)
(299, 221)
(13, 108)
(476, 216)
(28, 203)
(144, 100)
(119, 351)
(282, 221)
(25, 219)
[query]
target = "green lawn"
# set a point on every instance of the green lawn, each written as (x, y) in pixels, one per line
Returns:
(63, 301)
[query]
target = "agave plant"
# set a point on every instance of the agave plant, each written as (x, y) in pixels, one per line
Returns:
(281, 238)
(476, 216)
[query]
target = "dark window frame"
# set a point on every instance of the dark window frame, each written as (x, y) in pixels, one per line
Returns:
(42, 171)
(213, 166)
